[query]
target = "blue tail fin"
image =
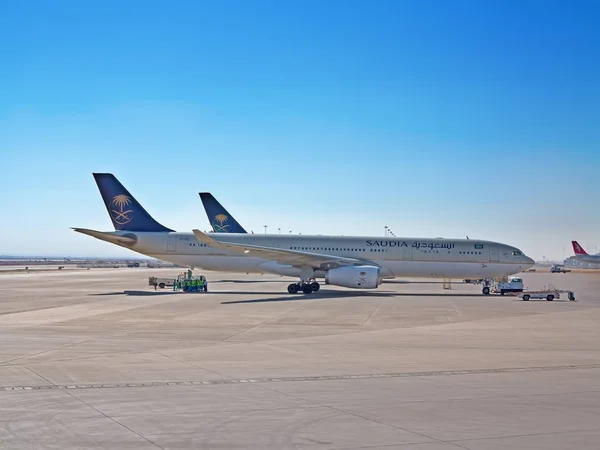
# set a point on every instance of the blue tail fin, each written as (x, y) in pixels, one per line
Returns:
(220, 220)
(124, 210)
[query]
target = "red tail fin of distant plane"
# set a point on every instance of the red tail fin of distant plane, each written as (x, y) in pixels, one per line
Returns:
(578, 249)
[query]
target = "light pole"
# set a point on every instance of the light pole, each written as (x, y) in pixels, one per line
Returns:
(265, 229)
(386, 230)
(279, 229)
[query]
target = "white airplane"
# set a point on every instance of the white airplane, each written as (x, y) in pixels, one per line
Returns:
(352, 262)
(583, 256)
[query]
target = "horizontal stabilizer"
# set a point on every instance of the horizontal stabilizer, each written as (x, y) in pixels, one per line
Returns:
(128, 240)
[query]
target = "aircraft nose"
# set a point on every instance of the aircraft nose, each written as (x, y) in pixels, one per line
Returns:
(529, 262)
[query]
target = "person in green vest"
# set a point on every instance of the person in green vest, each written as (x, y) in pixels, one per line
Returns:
(201, 285)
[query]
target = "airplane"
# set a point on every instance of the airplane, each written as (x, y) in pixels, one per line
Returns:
(358, 262)
(220, 220)
(583, 256)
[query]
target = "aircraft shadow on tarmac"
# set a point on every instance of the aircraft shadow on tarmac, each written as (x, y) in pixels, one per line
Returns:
(135, 293)
(334, 294)
(288, 298)
(287, 281)
(250, 281)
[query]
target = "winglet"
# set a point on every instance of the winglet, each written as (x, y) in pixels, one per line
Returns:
(578, 249)
(203, 237)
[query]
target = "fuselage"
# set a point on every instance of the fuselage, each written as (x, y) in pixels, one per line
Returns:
(397, 257)
(593, 259)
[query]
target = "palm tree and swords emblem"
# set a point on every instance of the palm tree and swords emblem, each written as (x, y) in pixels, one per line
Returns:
(120, 214)
(220, 219)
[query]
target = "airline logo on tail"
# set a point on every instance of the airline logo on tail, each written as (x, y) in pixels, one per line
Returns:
(219, 218)
(578, 249)
(217, 224)
(118, 212)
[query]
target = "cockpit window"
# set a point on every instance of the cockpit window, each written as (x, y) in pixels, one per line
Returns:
(517, 253)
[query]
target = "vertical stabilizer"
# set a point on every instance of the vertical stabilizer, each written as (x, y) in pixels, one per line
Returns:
(124, 210)
(578, 249)
(220, 220)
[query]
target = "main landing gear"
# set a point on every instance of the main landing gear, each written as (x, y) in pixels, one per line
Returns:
(306, 287)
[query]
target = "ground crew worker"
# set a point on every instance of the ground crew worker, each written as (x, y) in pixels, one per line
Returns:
(201, 284)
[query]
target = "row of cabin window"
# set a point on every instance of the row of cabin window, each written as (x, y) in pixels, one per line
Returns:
(345, 249)
(363, 250)
(330, 249)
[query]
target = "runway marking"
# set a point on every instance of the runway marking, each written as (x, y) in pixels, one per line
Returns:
(308, 378)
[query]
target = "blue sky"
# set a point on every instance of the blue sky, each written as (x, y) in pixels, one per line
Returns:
(435, 118)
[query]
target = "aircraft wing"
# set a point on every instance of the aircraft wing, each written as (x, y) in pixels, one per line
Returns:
(284, 256)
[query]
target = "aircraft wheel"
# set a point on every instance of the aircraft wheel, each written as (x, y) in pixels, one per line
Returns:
(486, 291)
(315, 286)
(550, 297)
(293, 288)
(307, 289)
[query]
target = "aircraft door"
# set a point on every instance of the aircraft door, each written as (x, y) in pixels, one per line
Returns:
(494, 254)
(171, 243)
(406, 253)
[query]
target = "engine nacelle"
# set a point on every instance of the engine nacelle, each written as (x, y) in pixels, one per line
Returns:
(357, 277)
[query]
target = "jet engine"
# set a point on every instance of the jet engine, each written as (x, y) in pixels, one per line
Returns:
(357, 277)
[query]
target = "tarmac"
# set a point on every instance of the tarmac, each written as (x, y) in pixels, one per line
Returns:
(97, 359)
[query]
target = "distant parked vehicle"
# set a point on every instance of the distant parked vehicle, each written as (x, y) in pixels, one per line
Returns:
(558, 268)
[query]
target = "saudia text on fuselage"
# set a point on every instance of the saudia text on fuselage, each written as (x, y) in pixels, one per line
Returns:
(429, 245)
